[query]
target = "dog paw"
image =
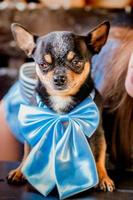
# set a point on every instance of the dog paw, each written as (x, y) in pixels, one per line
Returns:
(16, 177)
(106, 184)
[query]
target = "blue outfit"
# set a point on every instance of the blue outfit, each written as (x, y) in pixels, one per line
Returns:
(20, 93)
(12, 102)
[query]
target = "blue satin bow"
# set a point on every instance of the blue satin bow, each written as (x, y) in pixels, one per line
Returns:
(60, 154)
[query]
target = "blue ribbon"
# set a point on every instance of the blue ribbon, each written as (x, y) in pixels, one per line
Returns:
(60, 155)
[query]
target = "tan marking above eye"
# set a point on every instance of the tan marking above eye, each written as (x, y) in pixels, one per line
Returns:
(48, 58)
(70, 55)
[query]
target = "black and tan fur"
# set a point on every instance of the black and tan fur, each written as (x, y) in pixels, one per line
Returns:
(63, 68)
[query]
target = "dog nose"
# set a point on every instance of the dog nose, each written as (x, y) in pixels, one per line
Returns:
(59, 79)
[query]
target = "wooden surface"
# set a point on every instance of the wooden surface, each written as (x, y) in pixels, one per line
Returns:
(124, 191)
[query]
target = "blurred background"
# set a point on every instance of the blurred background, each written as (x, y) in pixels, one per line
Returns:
(43, 16)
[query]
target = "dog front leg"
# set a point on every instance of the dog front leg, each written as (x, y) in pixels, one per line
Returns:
(15, 176)
(98, 144)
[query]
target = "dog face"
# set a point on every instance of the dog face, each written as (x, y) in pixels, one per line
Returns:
(61, 62)
(63, 59)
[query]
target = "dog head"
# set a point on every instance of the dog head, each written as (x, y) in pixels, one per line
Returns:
(63, 59)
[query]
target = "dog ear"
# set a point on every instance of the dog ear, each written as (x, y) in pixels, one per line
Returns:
(97, 37)
(25, 40)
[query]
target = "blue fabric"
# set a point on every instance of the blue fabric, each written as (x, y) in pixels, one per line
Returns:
(60, 155)
(99, 63)
(12, 101)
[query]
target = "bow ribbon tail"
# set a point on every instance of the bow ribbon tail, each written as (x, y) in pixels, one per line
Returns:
(39, 165)
(78, 171)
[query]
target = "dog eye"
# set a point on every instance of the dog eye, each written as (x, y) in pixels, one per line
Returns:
(79, 64)
(74, 62)
(44, 66)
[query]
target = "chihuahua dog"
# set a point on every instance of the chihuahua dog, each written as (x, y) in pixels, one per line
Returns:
(63, 68)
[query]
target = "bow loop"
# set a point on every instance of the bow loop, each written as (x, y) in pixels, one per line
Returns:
(34, 121)
(60, 154)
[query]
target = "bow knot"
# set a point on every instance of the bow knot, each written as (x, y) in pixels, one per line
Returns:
(64, 118)
(60, 155)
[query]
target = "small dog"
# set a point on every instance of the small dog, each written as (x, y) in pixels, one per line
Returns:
(63, 68)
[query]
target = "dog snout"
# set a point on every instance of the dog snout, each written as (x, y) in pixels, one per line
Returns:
(60, 79)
